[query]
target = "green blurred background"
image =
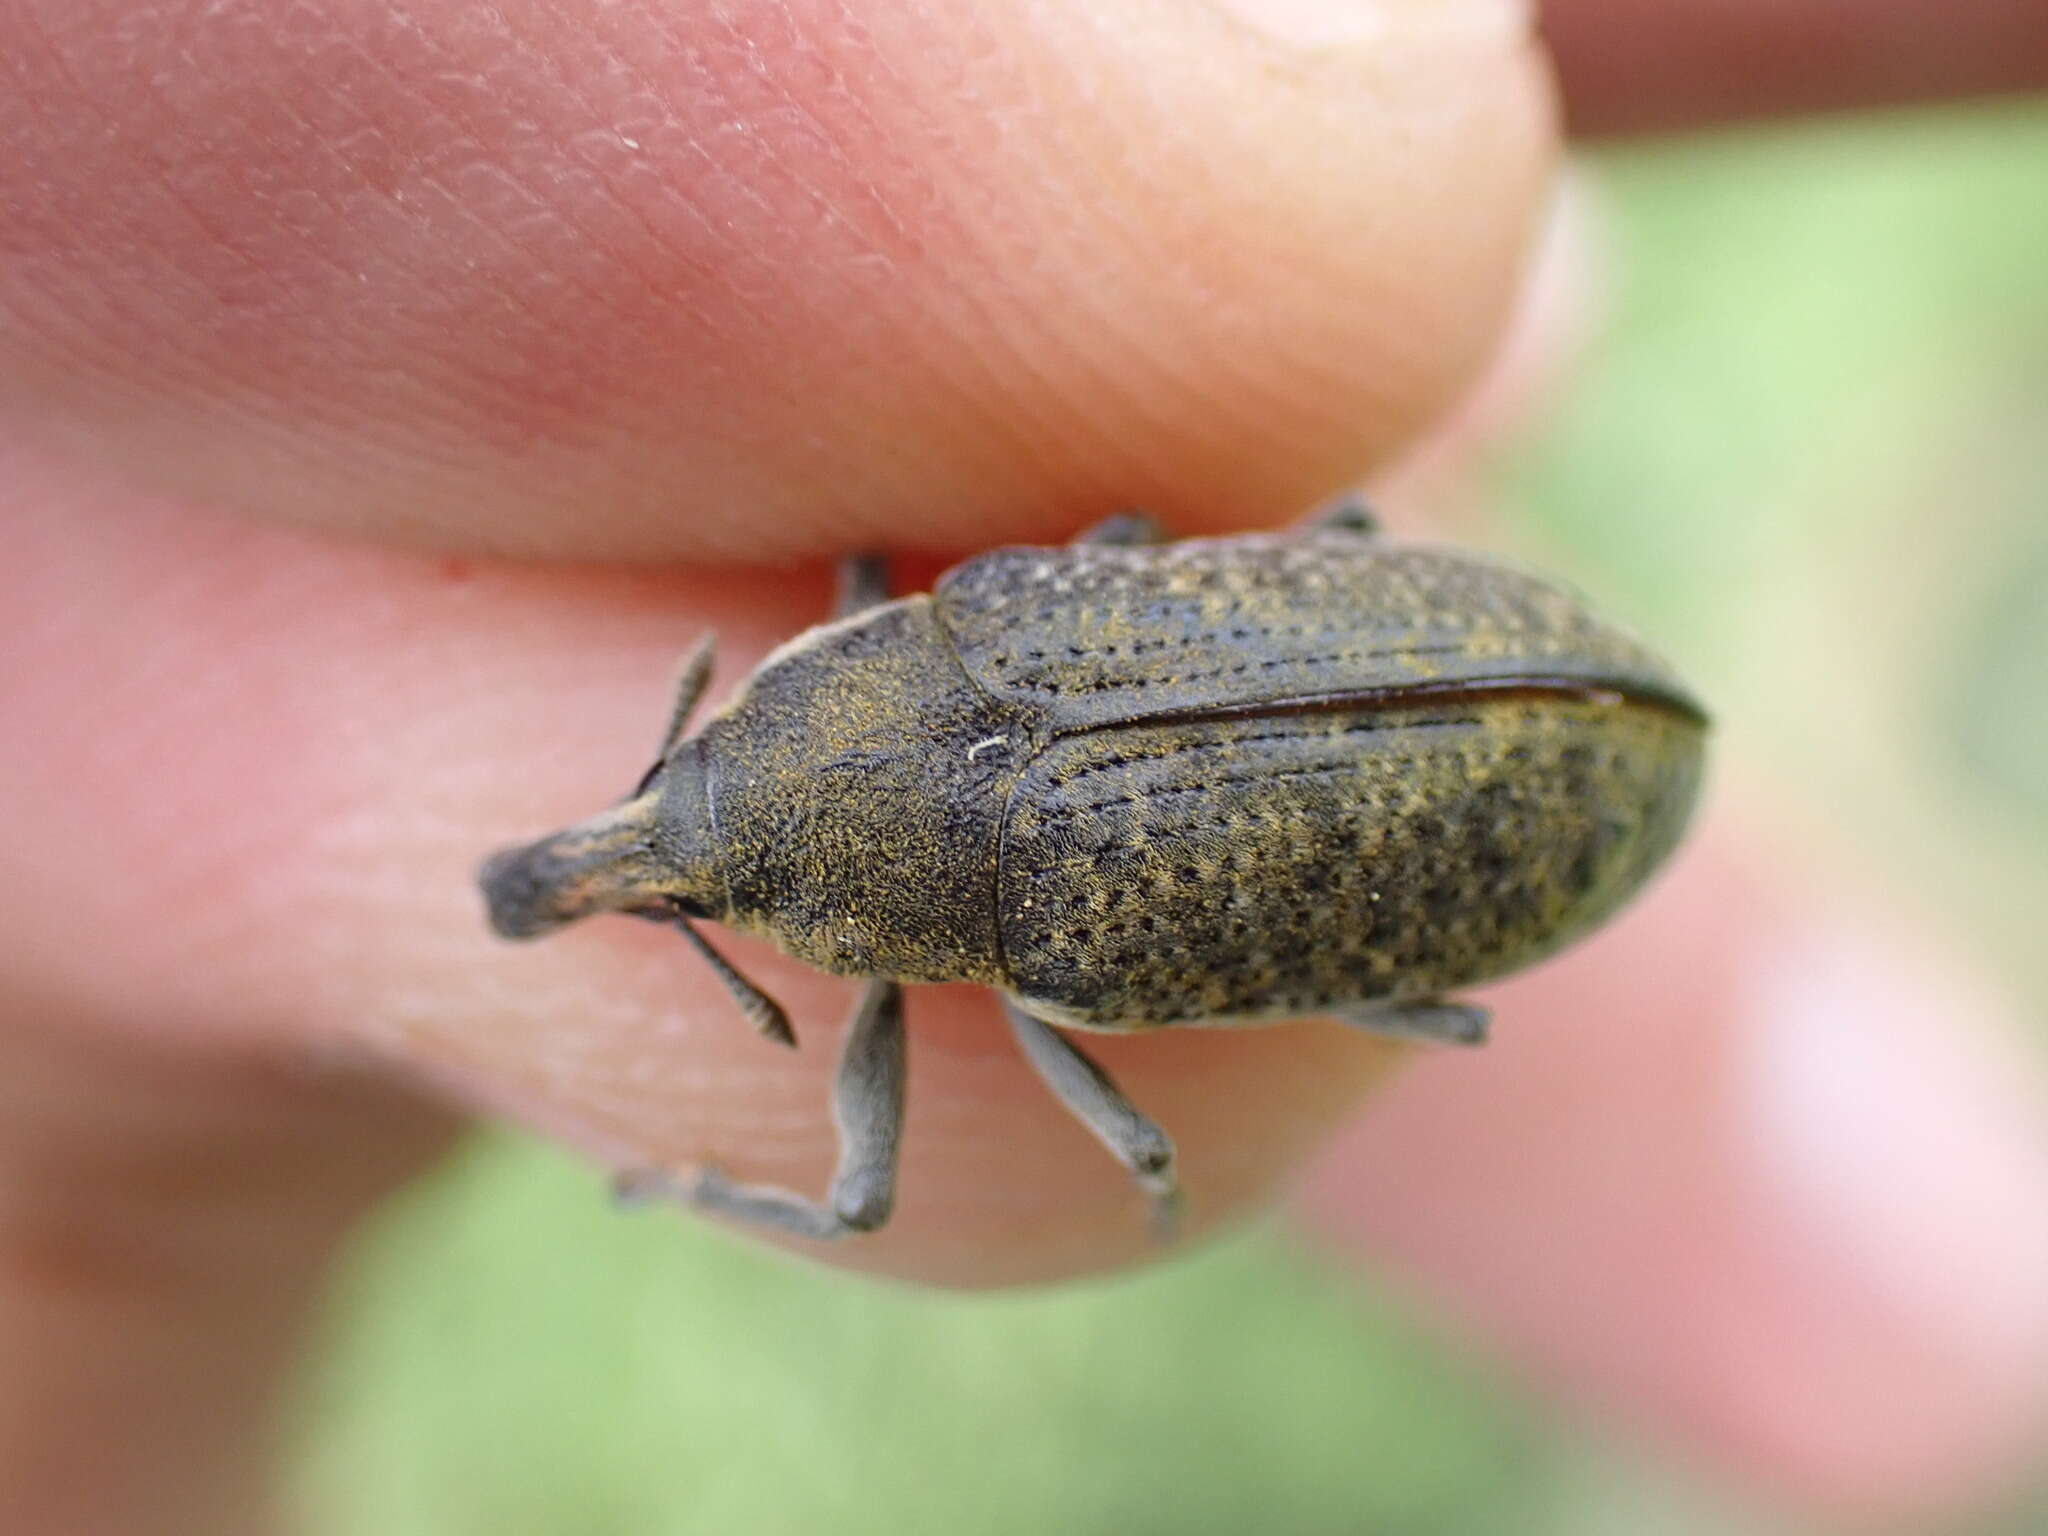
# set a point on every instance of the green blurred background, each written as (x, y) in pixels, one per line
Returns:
(1808, 450)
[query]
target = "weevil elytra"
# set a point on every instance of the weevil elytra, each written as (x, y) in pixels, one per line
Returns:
(1133, 783)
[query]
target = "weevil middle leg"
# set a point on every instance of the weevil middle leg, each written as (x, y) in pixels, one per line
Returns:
(1092, 1096)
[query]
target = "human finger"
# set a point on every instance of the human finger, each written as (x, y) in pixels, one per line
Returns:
(623, 280)
(1636, 66)
(295, 758)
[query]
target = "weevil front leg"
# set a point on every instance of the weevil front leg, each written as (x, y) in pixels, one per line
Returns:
(867, 1106)
(1125, 530)
(1435, 1021)
(1133, 1137)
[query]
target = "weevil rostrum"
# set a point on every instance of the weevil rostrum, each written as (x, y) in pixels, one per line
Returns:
(1131, 784)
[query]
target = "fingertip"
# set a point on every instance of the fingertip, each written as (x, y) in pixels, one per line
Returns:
(332, 736)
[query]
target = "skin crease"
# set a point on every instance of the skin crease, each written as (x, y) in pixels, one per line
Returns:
(859, 274)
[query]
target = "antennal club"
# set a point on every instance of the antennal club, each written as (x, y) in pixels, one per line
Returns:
(761, 1010)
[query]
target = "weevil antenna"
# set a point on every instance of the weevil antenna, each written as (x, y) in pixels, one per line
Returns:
(761, 1010)
(691, 680)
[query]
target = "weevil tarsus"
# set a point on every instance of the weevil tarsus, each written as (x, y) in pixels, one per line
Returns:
(863, 584)
(1439, 1023)
(867, 1106)
(1133, 1138)
(1349, 513)
(1125, 530)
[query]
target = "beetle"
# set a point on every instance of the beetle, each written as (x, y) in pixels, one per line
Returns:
(1135, 783)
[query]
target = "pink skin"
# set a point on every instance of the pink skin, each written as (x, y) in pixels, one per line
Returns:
(634, 285)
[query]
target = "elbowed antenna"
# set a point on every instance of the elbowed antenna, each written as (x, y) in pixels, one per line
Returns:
(692, 679)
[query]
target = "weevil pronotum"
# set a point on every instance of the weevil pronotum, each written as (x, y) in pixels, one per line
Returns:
(1131, 784)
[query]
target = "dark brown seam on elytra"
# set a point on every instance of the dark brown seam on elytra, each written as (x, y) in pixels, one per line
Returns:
(1238, 669)
(1400, 695)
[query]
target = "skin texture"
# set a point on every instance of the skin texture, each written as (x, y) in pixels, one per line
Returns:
(794, 228)
(310, 314)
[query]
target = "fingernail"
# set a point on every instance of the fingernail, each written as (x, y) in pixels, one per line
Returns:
(1344, 23)
(1897, 1120)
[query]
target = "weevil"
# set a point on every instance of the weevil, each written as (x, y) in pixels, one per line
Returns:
(1134, 783)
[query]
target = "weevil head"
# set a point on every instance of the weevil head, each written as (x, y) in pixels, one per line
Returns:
(651, 856)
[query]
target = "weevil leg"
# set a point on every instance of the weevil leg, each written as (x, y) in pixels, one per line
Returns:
(1125, 530)
(1133, 1138)
(1438, 1022)
(1349, 513)
(863, 584)
(867, 1106)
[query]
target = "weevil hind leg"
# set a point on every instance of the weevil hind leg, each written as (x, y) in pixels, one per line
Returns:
(1125, 530)
(867, 1106)
(1435, 1021)
(863, 584)
(1092, 1097)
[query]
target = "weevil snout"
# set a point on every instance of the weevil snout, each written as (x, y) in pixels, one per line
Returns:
(652, 855)
(604, 864)
(520, 893)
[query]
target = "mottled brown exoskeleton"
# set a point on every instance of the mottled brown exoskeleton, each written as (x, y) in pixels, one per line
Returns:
(1133, 784)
